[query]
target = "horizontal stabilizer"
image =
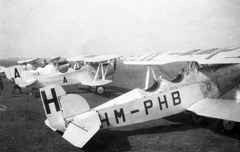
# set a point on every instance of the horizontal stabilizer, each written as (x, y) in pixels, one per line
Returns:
(82, 128)
(216, 108)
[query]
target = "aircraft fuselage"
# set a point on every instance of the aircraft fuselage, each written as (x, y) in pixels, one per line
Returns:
(172, 98)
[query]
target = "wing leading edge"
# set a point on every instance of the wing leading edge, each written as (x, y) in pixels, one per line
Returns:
(217, 108)
(94, 58)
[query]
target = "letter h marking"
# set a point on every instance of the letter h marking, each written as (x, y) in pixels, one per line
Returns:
(47, 102)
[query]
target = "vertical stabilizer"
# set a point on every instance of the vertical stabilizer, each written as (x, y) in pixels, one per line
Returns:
(50, 99)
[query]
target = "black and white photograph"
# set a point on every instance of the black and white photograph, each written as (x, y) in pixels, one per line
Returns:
(119, 76)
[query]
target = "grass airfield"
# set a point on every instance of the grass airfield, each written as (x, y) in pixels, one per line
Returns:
(22, 125)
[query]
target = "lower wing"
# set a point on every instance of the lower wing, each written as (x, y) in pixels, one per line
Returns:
(98, 82)
(217, 108)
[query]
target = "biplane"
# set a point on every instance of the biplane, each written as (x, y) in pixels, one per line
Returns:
(23, 65)
(198, 89)
(89, 71)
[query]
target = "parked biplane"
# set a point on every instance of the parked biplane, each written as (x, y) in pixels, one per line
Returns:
(83, 70)
(23, 65)
(198, 89)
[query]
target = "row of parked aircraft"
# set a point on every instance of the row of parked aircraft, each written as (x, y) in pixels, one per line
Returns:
(82, 70)
(199, 89)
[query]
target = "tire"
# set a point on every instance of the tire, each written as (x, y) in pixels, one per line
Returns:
(100, 90)
(229, 126)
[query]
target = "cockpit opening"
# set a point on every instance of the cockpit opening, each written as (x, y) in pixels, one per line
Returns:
(155, 86)
(178, 78)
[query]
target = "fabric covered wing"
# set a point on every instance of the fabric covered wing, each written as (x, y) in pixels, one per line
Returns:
(209, 56)
(97, 82)
(93, 58)
(27, 61)
(216, 108)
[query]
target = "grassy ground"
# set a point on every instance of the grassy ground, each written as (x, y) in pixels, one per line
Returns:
(22, 125)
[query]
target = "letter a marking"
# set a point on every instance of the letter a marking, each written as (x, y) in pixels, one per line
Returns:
(16, 74)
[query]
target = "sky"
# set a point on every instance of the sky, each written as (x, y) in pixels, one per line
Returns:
(47, 28)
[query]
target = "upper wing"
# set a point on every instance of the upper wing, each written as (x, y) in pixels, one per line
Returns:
(55, 58)
(94, 58)
(27, 61)
(216, 108)
(210, 56)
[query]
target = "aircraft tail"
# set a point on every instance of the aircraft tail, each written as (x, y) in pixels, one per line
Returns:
(2, 69)
(69, 114)
(22, 78)
(12, 72)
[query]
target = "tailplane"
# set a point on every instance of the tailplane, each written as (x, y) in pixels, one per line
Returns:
(69, 114)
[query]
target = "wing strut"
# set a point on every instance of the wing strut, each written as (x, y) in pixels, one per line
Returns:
(104, 73)
(165, 72)
(95, 78)
(148, 76)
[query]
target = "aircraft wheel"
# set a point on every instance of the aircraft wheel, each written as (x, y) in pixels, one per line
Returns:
(229, 126)
(92, 89)
(196, 119)
(100, 90)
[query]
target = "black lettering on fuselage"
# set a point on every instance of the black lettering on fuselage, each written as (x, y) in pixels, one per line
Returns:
(36, 73)
(105, 120)
(16, 74)
(48, 101)
(176, 98)
(147, 104)
(119, 115)
(162, 102)
(65, 80)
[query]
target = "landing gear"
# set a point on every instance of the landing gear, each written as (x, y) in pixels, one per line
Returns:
(229, 126)
(92, 89)
(99, 89)
(35, 92)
